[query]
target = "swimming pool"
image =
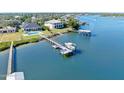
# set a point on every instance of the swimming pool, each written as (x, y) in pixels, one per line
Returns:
(32, 33)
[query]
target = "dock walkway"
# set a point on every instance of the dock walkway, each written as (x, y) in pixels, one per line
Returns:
(10, 60)
(11, 75)
(59, 45)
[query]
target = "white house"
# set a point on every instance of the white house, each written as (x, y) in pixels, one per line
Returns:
(54, 24)
(8, 30)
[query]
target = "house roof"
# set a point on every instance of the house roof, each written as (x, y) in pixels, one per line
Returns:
(53, 21)
(7, 28)
(30, 25)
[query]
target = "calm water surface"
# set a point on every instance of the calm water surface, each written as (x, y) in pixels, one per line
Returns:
(98, 57)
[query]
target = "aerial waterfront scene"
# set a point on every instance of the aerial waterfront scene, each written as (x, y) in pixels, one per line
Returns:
(61, 46)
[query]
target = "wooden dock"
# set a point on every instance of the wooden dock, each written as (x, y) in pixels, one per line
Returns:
(11, 75)
(66, 50)
(85, 32)
(10, 60)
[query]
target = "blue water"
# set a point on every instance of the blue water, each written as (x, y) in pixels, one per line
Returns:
(3, 63)
(100, 57)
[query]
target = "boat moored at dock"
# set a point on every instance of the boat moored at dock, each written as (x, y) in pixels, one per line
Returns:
(55, 46)
(66, 53)
(66, 49)
(70, 45)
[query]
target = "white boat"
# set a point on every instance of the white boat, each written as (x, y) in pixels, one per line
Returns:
(65, 52)
(55, 46)
(70, 45)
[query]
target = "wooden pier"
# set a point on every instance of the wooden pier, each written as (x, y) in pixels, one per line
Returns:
(10, 60)
(11, 75)
(63, 48)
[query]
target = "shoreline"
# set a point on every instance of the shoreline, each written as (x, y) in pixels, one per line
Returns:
(25, 42)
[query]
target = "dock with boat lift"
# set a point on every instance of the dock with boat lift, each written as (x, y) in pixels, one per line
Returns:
(85, 32)
(11, 75)
(64, 50)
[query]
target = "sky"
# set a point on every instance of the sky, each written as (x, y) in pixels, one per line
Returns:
(61, 6)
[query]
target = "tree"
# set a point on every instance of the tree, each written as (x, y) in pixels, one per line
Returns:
(73, 23)
(26, 18)
(39, 22)
(45, 28)
(65, 24)
(55, 17)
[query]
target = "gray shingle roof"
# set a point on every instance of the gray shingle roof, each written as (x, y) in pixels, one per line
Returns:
(30, 25)
(8, 29)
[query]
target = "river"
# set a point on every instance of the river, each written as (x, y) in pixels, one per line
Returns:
(99, 57)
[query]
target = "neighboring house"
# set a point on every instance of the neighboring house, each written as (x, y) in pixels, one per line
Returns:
(8, 29)
(54, 24)
(31, 27)
(17, 17)
(65, 17)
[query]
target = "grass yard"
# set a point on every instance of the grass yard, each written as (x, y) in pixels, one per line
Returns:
(56, 31)
(61, 30)
(6, 37)
(0, 35)
(19, 39)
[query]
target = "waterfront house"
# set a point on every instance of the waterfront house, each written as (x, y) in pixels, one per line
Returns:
(7, 29)
(31, 27)
(54, 24)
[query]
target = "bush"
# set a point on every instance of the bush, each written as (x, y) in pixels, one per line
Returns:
(32, 40)
(45, 28)
(73, 23)
(4, 45)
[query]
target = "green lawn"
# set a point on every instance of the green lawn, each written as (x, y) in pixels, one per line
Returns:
(19, 39)
(6, 37)
(56, 31)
